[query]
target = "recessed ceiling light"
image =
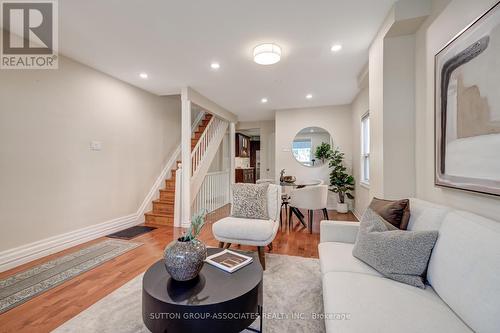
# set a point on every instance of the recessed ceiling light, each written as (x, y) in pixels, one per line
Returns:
(267, 54)
(336, 48)
(264, 100)
(143, 75)
(309, 96)
(215, 65)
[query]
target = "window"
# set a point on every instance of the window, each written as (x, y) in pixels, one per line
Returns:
(302, 150)
(365, 149)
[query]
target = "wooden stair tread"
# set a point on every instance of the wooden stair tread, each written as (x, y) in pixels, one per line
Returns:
(159, 201)
(151, 213)
(165, 202)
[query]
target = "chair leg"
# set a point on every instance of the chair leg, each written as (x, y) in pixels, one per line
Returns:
(299, 215)
(311, 216)
(227, 245)
(262, 256)
(286, 213)
(281, 216)
(221, 245)
(325, 213)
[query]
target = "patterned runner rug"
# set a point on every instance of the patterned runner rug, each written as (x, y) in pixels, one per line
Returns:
(25, 285)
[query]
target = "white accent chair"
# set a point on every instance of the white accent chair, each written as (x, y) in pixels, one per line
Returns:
(253, 232)
(311, 198)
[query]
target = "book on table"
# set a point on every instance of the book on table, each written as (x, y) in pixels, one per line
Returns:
(228, 260)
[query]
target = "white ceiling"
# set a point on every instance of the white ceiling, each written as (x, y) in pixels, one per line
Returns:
(175, 42)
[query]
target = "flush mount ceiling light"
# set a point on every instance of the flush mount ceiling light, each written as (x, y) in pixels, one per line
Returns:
(309, 96)
(264, 100)
(215, 65)
(336, 48)
(267, 54)
(143, 76)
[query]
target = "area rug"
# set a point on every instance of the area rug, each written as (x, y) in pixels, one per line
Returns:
(131, 232)
(292, 298)
(25, 285)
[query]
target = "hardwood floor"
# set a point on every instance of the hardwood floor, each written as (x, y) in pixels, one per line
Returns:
(54, 307)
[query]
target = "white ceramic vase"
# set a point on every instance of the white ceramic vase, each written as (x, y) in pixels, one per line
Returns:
(342, 208)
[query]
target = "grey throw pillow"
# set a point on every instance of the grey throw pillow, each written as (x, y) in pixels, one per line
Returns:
(250, 201)
(397, 254)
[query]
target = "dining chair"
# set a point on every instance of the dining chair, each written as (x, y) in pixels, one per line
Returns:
(310, 198)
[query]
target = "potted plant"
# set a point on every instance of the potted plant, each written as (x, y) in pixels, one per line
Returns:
(323, 151)
(185, 256)
(340, 182)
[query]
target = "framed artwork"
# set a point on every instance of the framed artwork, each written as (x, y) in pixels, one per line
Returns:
(467, 108)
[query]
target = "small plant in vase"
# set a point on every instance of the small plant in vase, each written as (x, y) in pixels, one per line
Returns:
(340, 181)
(185, 256)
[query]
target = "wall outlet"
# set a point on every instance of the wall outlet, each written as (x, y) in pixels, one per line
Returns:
(95, 145)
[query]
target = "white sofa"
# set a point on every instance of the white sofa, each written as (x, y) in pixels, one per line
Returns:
(463, 273)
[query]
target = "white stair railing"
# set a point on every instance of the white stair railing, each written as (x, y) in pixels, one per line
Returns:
(178, 196)
(214, 192)
(214, 127)
(201, 158)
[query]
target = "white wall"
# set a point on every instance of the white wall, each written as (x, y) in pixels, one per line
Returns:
(376, 97)
(399, 117)
(435, 33)
(51, 183)
(335, 119)
(392, 101)
(359, 107)
(221, 159)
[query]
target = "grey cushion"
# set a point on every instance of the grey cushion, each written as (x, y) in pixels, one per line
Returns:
(397, 254)
(250, 201)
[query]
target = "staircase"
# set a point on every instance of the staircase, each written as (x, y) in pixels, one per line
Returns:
(163, 208)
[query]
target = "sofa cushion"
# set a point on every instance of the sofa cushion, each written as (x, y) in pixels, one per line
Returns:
(245, 231)
(426, 215)
(337, 257)
(398, 254)
(396, 212)
(464, 269)
(250, 201)
(377, 304)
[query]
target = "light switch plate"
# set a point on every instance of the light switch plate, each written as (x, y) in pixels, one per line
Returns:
(95, 145)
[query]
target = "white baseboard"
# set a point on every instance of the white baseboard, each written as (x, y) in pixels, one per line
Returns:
(29, 252)
(357, 214)
(20, 255)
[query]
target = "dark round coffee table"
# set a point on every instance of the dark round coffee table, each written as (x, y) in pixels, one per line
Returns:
(215, 301)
